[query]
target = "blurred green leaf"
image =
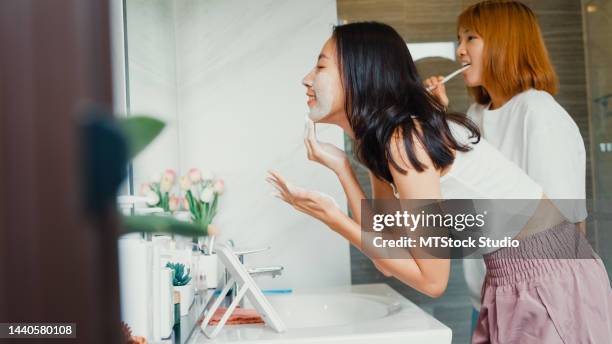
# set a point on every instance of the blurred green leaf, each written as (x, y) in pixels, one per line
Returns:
(161, 224)
(140, 131)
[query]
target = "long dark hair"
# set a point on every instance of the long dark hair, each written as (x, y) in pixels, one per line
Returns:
(383, 93)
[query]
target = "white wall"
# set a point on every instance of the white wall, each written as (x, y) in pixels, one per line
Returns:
(241, 109)
(151, 81)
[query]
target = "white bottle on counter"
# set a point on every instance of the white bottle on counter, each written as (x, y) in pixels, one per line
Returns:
(135, 275)
(166, 321)
(208, 270)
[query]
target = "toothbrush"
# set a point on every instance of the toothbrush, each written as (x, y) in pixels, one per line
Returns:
(451, 75)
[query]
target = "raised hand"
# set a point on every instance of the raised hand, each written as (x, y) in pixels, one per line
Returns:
(438, 89)
(313, 203)
(324, 153)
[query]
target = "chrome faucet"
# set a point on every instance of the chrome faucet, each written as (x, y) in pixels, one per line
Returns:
(272, 271)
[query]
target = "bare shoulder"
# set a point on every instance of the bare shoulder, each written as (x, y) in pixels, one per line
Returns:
(397, 149)
(410, 183)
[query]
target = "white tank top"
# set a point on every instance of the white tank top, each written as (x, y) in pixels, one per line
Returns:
(483, 173)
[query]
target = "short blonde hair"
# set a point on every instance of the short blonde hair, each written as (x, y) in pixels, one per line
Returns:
(515, 56)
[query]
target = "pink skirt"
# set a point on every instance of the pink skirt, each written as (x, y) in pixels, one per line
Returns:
(551, 289)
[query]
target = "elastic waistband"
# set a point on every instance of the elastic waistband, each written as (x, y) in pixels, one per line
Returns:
(537, 254)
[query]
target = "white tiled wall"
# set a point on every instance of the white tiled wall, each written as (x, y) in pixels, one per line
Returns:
(151, 80)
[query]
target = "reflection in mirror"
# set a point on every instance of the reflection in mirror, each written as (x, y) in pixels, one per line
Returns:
(151, 82)
(225, 77)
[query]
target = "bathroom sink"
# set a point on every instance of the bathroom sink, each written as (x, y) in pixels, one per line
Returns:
(368, 313)
(321, 310)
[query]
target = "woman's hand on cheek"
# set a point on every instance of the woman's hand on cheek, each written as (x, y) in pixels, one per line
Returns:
(324, 153)
(316, 204)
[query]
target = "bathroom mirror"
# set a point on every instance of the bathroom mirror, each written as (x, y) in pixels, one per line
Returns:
(226, 76)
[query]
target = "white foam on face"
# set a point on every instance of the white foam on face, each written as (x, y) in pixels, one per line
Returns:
(324, 93)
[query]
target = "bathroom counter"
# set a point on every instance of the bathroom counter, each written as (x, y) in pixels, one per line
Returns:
(368, 313)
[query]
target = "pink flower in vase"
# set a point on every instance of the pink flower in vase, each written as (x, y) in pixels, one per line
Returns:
(170, 174)
(185, 183)
(195, 175)
(145, 188)
(219, 186)
(174, 203)
(185, 204)
(167, 181)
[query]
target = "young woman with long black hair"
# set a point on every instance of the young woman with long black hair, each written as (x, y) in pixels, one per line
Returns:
(365, 81)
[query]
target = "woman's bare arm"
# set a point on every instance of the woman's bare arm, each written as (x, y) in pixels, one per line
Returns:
(433, 273)
(428, 276)
(353, 191)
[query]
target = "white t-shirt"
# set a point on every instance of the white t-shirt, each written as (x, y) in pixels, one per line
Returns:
(537, 134)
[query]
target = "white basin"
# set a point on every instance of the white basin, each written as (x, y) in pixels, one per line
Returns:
(321, 309)
(368, 313)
